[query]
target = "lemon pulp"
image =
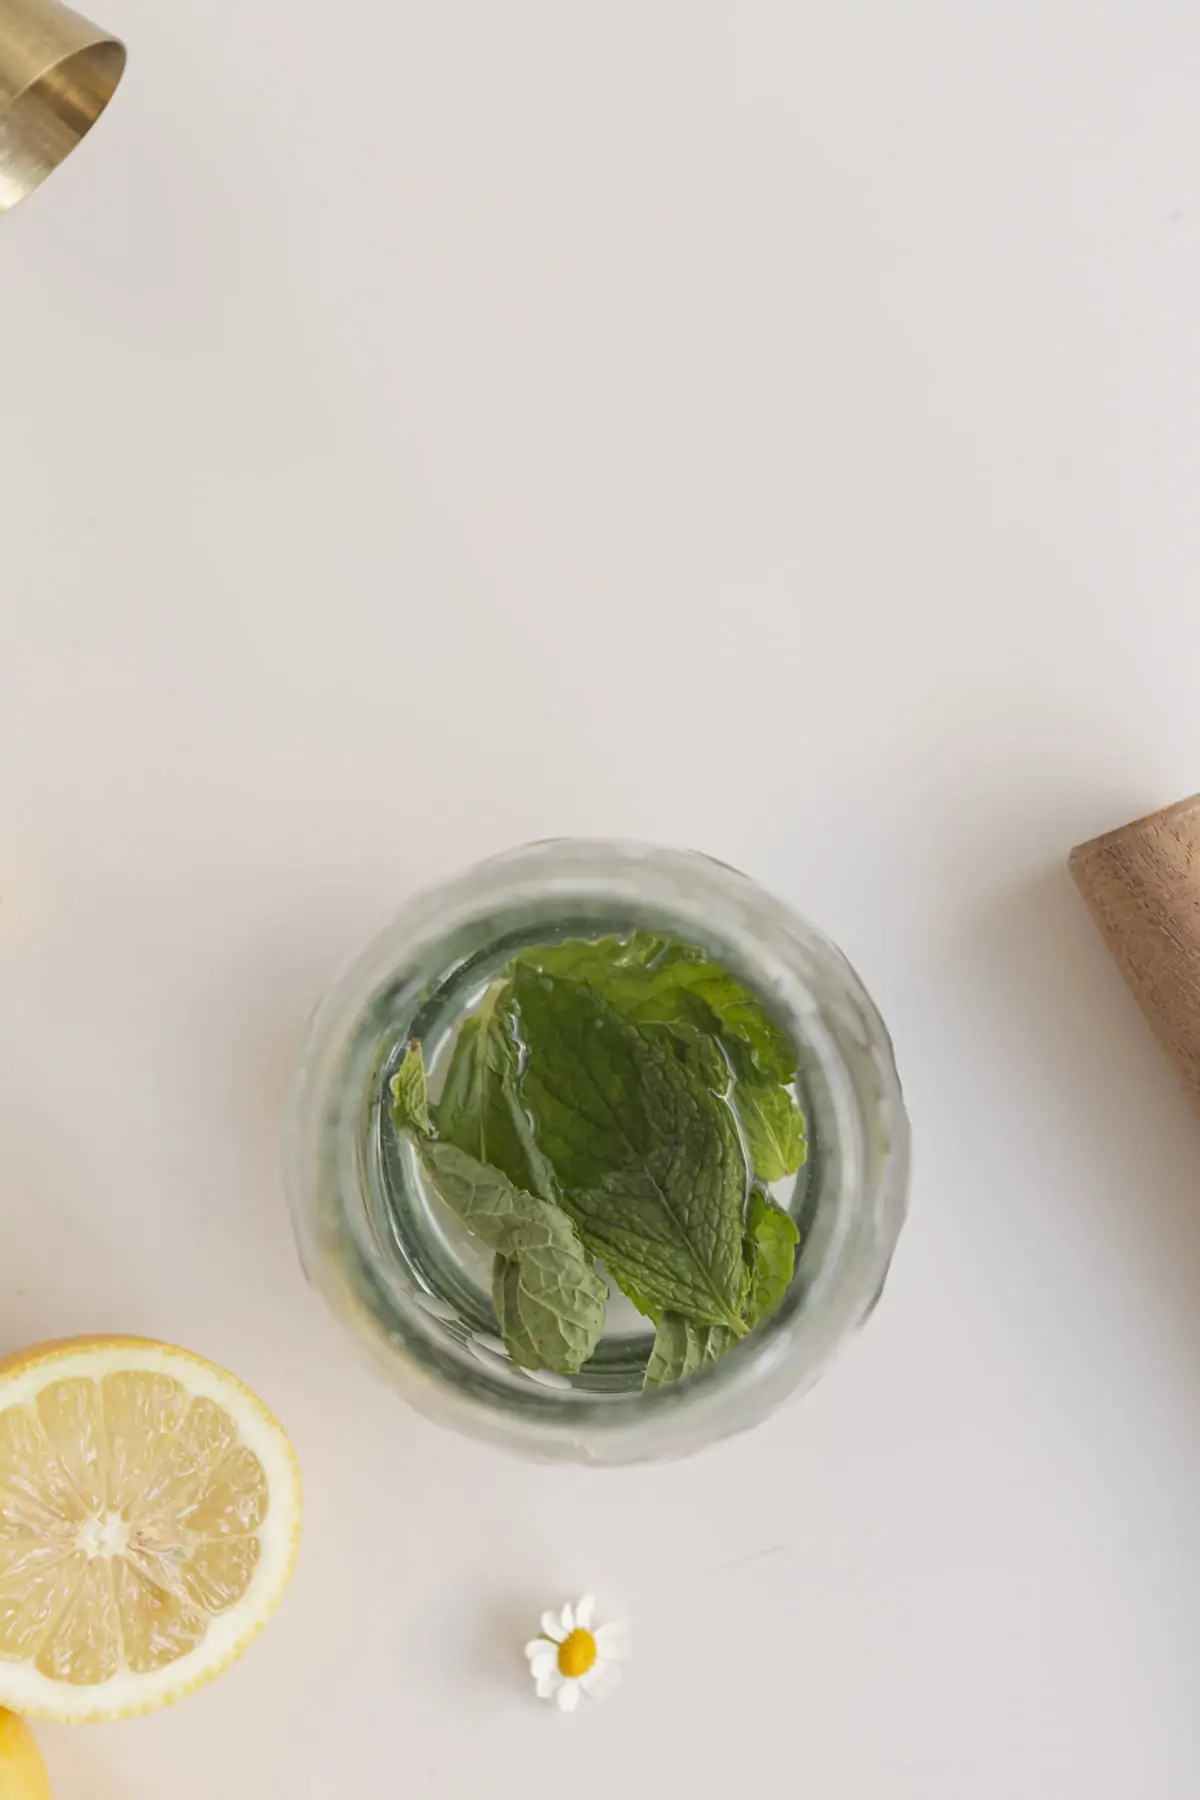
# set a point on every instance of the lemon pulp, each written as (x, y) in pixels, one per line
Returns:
(128, 1519)
(142, 1539)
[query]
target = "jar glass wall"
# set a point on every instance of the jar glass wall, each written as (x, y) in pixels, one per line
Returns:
(415, 1289)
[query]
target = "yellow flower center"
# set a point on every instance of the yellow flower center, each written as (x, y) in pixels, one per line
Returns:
(576, 1654)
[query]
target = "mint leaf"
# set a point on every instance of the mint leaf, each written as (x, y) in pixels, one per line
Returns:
(549, 1300)
(555, 1296)
(506, 1299)
(479, 1109)
(682, 1348)
(410, 1096)
(648, 1159)
(587, 959)
(684, 979)
(772, 1122)
(771, 1239)
(596, 960)
(656, 980)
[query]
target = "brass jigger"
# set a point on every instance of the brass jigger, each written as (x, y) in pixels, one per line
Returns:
(58, 72)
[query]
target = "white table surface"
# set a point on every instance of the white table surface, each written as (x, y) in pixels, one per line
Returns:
(767, 427)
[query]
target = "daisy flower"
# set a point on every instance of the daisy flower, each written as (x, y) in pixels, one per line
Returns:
(575, 1656)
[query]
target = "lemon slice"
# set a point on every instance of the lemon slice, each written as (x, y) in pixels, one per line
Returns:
(149, 1521)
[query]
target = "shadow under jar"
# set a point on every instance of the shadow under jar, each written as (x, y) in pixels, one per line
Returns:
(414, 1286)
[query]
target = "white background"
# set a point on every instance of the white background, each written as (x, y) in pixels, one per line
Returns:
(766, 425)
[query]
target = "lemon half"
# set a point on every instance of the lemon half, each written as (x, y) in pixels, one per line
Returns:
(149, 1522)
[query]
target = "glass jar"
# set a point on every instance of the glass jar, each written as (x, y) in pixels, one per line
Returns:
(418, 1297)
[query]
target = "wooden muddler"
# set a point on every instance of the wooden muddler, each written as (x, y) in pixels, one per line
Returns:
(1142, 884)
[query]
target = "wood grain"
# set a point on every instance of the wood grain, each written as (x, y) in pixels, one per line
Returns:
(1142, 884)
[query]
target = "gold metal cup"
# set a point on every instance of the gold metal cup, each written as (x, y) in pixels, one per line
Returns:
(58, 72)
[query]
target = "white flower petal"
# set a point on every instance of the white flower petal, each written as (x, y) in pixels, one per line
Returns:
(600, 1680)
(548, 1683)
(612, 1641)
(568, 1620)
(553, 1628)
(568, 1696)
(543, 1665)
(584, 1612)
(539, 1646)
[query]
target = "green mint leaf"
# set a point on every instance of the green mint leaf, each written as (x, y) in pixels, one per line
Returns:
(700, 1052)
(771, 1239)
(684, 980)
(682, 1348)
(656, 980)
(480, 1110)
(553, 1307)
(771, 1121)
(661, 1231)
(560, 1298)
(410, 1097)
(774, 1127)
(596, 960)
(506, 1298)
(648, 1158)
(548, 1298)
